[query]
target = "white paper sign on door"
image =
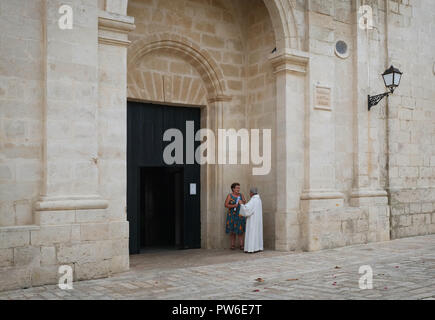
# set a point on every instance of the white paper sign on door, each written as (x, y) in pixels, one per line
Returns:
(192, 188)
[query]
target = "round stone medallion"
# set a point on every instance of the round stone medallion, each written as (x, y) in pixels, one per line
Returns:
(341, 49)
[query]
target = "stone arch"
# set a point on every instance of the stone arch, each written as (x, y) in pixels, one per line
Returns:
(281, 13)
(208, 69)
(284, 23)
(283, 19)
(214, 116)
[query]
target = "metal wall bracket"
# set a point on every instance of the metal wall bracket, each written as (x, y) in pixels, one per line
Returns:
(374, 100)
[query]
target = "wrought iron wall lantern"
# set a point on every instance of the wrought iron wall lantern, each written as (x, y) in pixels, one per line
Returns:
(391, 78)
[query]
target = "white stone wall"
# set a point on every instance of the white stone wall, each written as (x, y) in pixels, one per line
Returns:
(411, 118)
(58, 207)
(21, 116)
(387, 149)
(261, 103)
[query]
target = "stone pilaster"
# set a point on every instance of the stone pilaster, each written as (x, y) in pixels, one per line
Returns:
(320, 191)
(113, 28)
(70, 149)
(290, 69)
(212, 193)
(367, 193)
(366, 144)
(76, 213)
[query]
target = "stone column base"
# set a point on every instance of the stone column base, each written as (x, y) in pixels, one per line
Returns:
(324, 226)
(315, 200)
(365, 197)
(71, 203)
(73, 231)
(375, 204)
(287, 231)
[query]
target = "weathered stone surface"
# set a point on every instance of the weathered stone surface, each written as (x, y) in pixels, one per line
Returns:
(92, 270)
(58, 217)
(84, 252)
(119, 230)
(49, 235)
(12, 239)
(6, 257)
(43, 275)
(97, 215)
(120, 247)
(15, 277)
(94, 231)
(27, 256)
(120, 263)
(48, 256)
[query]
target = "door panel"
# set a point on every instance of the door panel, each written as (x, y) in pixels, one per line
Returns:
(146, 124)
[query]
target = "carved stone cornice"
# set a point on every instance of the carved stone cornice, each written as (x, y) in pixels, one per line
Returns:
(115, 22)
(321, 194)
(293, 61)
(220, 98)
(71, 203)
(113, 28)
(368, 193)
(113, 42)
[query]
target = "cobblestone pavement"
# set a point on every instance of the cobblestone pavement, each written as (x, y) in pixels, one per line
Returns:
(402, 269)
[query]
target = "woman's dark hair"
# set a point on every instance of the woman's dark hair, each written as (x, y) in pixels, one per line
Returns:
(235, 184)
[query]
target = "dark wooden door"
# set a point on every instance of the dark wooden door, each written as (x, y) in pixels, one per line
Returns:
(146, 124)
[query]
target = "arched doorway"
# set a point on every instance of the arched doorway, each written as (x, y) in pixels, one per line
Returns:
(213, 56)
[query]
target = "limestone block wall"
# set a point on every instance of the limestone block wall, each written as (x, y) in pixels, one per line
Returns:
(21, 116)
(112, 131)
(166, 78)
(411, 118)
(382, 157)
(68, 221)
(344, 202)
(261, 103)
(342, 95)
(85, 240)
(332, 228)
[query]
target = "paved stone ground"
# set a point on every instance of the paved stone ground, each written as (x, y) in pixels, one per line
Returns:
(402, 269)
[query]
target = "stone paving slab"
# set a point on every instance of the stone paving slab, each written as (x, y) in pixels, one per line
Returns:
(402, 269)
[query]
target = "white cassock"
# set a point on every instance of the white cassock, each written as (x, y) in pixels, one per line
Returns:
(253, 212)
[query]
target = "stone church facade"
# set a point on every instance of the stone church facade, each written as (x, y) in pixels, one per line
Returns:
(341, 175)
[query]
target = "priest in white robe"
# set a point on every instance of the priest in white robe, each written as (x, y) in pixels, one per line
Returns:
(253, 212)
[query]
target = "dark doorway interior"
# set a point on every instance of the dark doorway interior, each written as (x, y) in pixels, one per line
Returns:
(161, 207)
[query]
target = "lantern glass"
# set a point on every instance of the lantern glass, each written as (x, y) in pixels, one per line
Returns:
(388, 79)
(397, 77)
(392, 78)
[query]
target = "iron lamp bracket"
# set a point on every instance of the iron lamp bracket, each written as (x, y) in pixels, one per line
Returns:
(374, 100)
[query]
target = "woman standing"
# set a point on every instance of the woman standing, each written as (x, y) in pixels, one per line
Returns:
(235, 223)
